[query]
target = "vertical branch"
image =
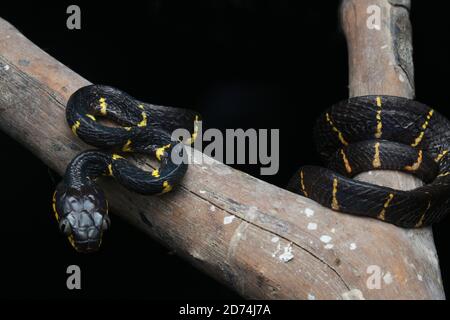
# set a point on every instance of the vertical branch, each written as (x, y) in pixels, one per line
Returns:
(379, 41)
(379, 34)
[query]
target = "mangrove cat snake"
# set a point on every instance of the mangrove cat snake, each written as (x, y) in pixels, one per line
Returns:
(380, 132)
(78, 202)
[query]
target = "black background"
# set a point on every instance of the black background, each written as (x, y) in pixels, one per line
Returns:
(242, 64)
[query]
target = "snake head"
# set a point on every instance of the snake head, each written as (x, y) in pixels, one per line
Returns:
(82, 215)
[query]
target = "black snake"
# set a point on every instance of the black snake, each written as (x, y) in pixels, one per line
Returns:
(78, 202)
(380, 132)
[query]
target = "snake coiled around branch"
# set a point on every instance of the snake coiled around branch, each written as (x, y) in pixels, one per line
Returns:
(380, 132)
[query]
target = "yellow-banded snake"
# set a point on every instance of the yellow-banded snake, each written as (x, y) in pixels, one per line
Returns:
(78, 202)
(380, 132)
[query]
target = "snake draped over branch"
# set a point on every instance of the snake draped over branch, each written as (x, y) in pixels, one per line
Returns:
(79, 204)
(380, 132)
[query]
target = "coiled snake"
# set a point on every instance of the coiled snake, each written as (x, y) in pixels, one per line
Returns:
(380, 132)
(78, 202)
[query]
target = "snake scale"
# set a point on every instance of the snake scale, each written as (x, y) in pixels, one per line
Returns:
(79, 204)
(380, 132)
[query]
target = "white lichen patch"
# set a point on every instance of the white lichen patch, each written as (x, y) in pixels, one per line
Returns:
(333, 230)
(329, 246)
(275, 239)
(312, 226)
(419, 277)
(287, 255)
(276, 251)
(401, 78)
(212, 208)
(202, 191)
(6, 67)
(311, 296)
(354, 294)
(196, 255)
(251, 213)
(309, 212)
(228, 219)
(387, 278)
(353, 246)
(325, 238)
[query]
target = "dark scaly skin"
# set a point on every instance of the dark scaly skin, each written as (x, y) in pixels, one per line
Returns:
(380, 132)
(79, 203)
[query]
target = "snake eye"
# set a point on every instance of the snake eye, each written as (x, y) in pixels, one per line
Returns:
(65, 228)
(106, 223)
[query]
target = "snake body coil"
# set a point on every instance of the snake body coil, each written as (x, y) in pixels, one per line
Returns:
(79, 204)
(380, 132)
